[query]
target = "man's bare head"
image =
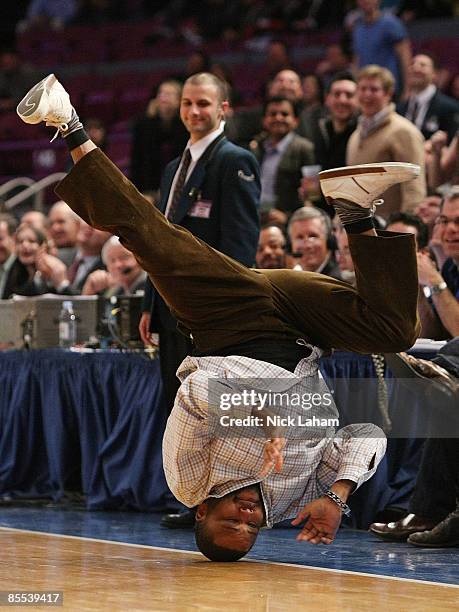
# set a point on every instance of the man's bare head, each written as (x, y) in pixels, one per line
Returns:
(63, 225)
(227, 527)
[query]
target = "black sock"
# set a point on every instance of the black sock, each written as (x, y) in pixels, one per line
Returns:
(74, 135)
(76, 138)
(360, 226)
(354, 218)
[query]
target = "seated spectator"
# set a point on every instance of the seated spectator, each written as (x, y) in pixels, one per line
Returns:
(42, 272)
(87, 259)
(37, 219)
(63, 226)
(433, 519)
(287, 83)
(12, 273)
(249, 122)
(271, 248)
(431, 325)
(406, 222)
(383, 135)
(442, 287)
(426, 107)
(312, 241)
(281, 154)
(428, 211)
(158, 138)
(442, 160)
(123, 275)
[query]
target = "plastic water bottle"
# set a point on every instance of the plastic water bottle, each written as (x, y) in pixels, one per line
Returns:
(67, 326)
(29, 330)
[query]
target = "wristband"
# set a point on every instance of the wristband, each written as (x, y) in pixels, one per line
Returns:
(339, 502)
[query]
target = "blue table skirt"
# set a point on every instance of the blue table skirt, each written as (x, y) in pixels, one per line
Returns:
(101, 413)
(58, 408)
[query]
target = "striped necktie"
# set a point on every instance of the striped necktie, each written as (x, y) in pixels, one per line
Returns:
(186, 160)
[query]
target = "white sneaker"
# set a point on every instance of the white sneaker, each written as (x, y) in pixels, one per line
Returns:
(46, 101)
(363, 184)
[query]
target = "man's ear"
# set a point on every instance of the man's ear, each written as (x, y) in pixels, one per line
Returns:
(201, 511)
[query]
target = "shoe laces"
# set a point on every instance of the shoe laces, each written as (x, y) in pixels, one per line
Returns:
(376, 203)
(61, 127)
(58, 112)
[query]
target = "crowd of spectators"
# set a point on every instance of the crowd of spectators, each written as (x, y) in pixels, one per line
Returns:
(61, 254)
(363, 103)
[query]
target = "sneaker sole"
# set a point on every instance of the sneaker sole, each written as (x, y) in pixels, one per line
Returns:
(32, 109)
(401, 170)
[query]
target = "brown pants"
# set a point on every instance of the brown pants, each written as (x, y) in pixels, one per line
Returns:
(222, 303)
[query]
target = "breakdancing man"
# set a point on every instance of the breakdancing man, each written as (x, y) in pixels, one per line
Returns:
(253, 323)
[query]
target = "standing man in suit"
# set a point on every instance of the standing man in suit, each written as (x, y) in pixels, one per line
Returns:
(212, 191)
(429, 109)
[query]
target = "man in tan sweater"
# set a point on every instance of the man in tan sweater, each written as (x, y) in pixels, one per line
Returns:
(384, 135)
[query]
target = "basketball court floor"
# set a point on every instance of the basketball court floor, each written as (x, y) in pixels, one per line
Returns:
(126, 561)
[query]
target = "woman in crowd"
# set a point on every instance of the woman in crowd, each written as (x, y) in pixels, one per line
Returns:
(42, 272)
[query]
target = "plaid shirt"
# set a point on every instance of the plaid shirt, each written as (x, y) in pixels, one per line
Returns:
(199, 465)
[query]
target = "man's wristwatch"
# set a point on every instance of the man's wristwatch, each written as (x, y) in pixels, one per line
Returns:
(338, 501)
(434, 289)
(438, 288)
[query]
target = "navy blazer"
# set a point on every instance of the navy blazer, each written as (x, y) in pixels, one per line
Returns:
(226, 180)
(442, 114)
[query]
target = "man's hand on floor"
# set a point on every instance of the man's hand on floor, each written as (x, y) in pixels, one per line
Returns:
(323, 517)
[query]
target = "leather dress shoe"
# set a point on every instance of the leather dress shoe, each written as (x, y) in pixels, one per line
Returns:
(180, 520)
(399, 531)
(443, 535)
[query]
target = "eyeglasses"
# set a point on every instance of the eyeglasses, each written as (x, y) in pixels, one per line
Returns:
(445, 220)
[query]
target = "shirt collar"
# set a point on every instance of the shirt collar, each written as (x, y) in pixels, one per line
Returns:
(323, 264)
(85, 258)
(369, 124)
(198, 148)
(6, 267)
(281, 145)
(424, 96)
